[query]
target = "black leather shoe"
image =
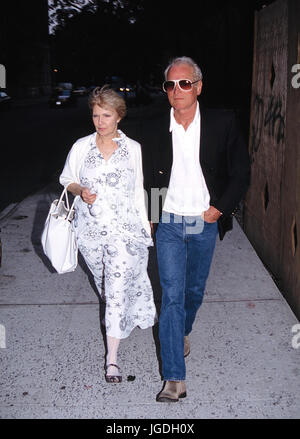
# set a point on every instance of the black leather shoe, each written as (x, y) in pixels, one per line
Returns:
(172, 391)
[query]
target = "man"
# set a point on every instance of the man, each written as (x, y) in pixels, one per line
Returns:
(200, 157)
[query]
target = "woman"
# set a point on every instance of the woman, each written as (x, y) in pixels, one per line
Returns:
(104, 170)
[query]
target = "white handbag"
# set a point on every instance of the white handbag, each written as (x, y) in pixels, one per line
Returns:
(58, 237)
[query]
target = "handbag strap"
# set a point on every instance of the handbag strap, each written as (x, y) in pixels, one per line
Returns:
(65, 194)
(71, 209)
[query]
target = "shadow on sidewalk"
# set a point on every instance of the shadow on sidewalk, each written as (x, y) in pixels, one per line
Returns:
(52, 192)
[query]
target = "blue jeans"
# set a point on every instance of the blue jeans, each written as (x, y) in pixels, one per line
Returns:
(184, 252)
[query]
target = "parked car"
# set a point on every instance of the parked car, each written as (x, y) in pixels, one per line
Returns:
(65, 85)
(80, 91)
(5, 100)
(91, 88)
(62, 98)
(127, 92)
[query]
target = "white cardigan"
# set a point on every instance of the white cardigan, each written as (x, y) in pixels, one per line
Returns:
(76, 156)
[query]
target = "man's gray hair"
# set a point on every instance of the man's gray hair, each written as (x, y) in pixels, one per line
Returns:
(185, 60)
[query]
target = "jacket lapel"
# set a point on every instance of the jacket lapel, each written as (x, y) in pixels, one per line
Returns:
(166, 150)
(203, 134)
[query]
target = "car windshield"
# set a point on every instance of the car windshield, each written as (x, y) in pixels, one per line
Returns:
(2, 94)
(65, 93)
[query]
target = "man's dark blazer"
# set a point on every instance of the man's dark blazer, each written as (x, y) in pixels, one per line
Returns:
(223, 158)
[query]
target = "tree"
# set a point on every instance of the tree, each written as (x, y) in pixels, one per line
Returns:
(60, 11)
(137, 38)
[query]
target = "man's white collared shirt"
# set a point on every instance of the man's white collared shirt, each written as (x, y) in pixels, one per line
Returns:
(187, 193)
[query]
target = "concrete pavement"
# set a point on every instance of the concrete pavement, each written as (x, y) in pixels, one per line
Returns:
(242, 362)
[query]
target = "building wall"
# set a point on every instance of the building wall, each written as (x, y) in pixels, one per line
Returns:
(290, 223)
(272, 204)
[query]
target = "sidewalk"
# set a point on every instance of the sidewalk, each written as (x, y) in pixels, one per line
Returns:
(242, 363)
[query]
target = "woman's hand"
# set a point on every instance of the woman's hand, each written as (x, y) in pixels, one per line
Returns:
(83, 192)
(87, 196)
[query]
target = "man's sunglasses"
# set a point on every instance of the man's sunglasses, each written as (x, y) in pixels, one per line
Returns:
(183, 84)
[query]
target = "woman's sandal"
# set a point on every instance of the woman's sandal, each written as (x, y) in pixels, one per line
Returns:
(113, 378)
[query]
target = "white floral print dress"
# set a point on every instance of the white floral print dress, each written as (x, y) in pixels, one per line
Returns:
(113, 241)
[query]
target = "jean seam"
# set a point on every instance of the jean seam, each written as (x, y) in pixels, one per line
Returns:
(184, 284)
(184, 243)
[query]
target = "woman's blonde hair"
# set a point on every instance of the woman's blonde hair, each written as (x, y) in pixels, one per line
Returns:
(107, 97)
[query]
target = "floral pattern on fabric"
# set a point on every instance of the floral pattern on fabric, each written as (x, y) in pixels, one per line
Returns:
(113, 242)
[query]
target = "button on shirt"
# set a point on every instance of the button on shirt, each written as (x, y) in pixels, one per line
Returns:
(187, 193)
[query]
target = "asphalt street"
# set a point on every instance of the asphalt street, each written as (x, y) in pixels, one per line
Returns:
(34, 143)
